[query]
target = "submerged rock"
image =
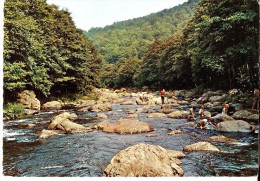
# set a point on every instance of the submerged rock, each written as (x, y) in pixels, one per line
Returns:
(200, 146)
(143, 160)
(125, 126)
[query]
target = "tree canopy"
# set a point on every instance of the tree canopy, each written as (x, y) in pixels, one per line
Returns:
(44, 51)
(217, 48)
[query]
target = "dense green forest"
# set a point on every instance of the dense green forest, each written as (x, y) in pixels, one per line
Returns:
(217, 48)
(130, 38)
(45, 52)
(208, 44)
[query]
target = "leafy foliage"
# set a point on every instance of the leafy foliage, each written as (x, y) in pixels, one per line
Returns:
(45, 52)
(13, 111)
(217, 49)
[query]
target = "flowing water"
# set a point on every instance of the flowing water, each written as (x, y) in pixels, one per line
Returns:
(87, 154)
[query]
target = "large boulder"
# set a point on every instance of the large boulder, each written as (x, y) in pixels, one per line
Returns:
(242, 114)
(254, 118)
(221, 138)
(208, 105)
(56, 120)
(200, 146)
(183, 102)
(101, 116)
(127, 103)
(85, 103)
(170, 106)
(53, 105)
(157, 100)
(184, 93)
(143, 160)
(237, 106)
(110, 97)
(216, 98)
(47, 133)
(64, 123)
(84, 109)
(101, 107)
(144, 101)
(218, 109)
(207, 114)
(124, 126)
(235, 126)
(222, 118)
(167, 111)
(142, 110)
(132, 116)
(28, 100)
(173, 100)
(30, 111)
(156, 114)
(71, 127)
(178, 114)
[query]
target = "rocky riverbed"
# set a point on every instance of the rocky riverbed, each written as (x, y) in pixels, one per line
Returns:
(86, 139)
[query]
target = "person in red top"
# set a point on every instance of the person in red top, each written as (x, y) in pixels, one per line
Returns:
(163, 94)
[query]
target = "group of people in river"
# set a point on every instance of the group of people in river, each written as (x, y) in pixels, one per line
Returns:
(205, 122)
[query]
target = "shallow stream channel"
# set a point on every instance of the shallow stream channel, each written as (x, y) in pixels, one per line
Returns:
(87, 154)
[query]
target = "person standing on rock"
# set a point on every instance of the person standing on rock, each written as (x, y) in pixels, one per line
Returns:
(163, 94)
(226, 106)
(201, 113)
(256, 99)
(191, 116)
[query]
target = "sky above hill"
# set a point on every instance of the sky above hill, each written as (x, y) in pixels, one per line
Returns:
(99, 13)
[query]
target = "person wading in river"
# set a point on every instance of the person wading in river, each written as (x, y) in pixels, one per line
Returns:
(201, 112)
(204, 123)
(191, 116)
(163, 94)
(256, 99)
(225, 109)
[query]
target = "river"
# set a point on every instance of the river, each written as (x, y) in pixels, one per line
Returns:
(87, 154)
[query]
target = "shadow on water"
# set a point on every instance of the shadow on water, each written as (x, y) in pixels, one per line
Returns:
(87, 154)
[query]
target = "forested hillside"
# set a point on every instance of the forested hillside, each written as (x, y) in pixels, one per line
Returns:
(132, 38)
(218, 48)
(44, 51)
